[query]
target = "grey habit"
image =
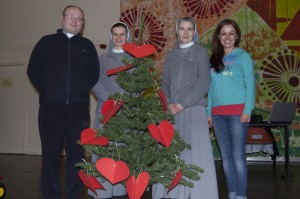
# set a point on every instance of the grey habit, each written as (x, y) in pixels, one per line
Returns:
(105, 87)
(186, 80)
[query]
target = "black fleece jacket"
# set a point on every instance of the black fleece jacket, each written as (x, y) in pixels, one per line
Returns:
(64, 70)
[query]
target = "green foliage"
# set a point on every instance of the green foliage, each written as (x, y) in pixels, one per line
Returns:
(127, 131)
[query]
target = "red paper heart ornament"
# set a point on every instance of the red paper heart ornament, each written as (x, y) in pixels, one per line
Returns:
(139, 51)
(113, 171)
(90, 181)
(175, 180)
(107, 106)
(100, 141)
(118, 69)
(163, 134)
(163, 100)
(88, 136)
(109, 109)
(136, 186)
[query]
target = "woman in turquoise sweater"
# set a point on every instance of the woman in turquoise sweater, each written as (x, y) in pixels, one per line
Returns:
(230, 103)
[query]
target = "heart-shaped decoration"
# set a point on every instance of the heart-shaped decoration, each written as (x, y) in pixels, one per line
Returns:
(175, 180)
(163, 100)
(118, 69)
(136, 186)
(100, 141)
(107, 106)
(163, 134)
(113, 171)
(139, 51)
(90, 181)
(88, 136)
(109, 109)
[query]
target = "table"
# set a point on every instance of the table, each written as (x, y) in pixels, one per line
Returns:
(286, 143)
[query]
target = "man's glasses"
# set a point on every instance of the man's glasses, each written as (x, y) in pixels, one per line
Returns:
(73, 18)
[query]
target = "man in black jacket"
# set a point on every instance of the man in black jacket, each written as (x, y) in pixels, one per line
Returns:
(63, 67)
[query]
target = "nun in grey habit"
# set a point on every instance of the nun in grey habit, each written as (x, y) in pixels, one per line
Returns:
(186, 81)
(107, 86)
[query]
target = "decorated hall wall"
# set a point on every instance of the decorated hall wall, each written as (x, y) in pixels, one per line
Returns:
(270, 33)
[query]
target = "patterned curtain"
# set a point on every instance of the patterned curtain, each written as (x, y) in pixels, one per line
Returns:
(271, 34)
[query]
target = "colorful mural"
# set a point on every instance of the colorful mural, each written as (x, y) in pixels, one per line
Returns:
(271, 34)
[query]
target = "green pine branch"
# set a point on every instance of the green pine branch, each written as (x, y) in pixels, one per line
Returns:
(128, 133)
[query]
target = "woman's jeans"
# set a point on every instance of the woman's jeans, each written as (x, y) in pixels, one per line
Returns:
(231, 136)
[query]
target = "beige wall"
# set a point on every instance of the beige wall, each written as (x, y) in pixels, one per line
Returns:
(23, 23)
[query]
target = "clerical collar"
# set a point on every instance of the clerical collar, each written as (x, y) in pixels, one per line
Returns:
(117, 50)
(187, 45)
(69, 35)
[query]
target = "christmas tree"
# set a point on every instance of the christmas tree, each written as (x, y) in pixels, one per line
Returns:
(137, 132)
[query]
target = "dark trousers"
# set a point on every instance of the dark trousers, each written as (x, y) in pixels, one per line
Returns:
(60, 127)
